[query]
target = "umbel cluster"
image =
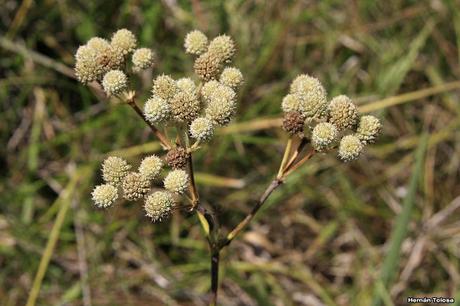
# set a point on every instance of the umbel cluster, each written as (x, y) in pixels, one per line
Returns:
(193, 109)
(328, 124)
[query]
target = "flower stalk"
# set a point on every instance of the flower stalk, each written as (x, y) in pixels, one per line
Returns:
(130, 100)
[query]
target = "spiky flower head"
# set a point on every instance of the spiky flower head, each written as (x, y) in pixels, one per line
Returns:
(123, 41)
(94, 59)
(157, 110)
(350, 148)
(202, 129)
(311, 94)
(114, 170)
(186, 85)
(209, 88)
(164, 86)
(177, 158)
(221, 105)
(114, 82)
(185, 106)
(231, 77)
(195, 42)
(150, 167)
(223, 47)
(292, 103)
(323, 136)
(176, 181)
(106, 56)
(342, 112)
(208, 66)
(104, 195)
(87, 68)
(368, 129)
(98, 44)
(159, 205)
(143, 58)
(135, 186)
(293, 123)
(220, 111)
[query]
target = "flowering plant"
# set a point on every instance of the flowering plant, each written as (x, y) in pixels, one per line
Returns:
(192, 112)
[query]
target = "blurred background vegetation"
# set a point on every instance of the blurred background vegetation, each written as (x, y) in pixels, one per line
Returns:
(335, 234)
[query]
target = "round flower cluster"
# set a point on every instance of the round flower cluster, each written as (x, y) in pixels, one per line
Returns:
(194, 109)
(306, 107)
(135, 186)
(104, 195)
(176, 181)
(143, 58)
(114, 82)
(159, 205)
(201, 108)
(102, 61)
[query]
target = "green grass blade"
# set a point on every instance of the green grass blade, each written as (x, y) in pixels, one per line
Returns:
(390, 264)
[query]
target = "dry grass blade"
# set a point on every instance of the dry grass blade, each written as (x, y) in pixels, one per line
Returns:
(409, 97)
(65, 200)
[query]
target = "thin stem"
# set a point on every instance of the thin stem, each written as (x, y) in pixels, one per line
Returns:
(192, 185)
(294, 156)
(284, 171)
(273, 185)
(214, 276)
(163, 139)
(287, 152)
(293, 167)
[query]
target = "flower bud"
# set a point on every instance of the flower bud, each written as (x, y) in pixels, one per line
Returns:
(195, 42)
(186, 85)
(98, 44)
(135, 186)
(124, 42)
(114, 170)
(312, 96)
(209, 88)
(221, 106)
(150, 167)
(104, 195)
(107, 58)
(87, 68)
(201, 129)
(293, 123)
(114, 82)
(157, 110)
(176, 181)
(207, 66)
(350, 148)
(222, 47)
(185, 106)
(368, 129)
(323, 136)
(177, 158)
(231, 77)
(143, 58)
(165, 87)
(159, 205)
(291, 103)
(342, 113)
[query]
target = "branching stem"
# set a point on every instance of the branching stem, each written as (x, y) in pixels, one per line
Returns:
(273, 185)
(163, 139)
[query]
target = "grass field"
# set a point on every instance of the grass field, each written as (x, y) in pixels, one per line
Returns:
(371, 232)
